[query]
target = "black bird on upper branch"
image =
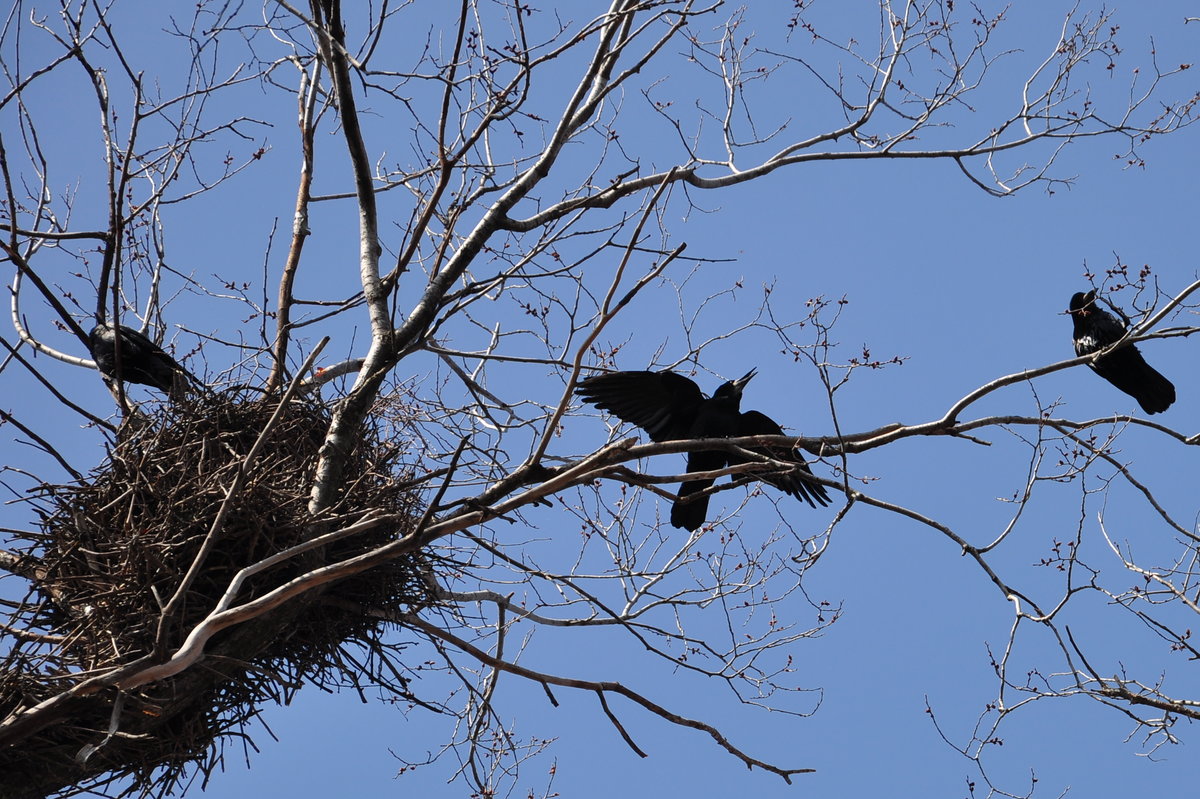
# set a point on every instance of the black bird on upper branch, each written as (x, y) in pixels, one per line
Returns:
(1125, 367)
(671, 407)
(141, 360)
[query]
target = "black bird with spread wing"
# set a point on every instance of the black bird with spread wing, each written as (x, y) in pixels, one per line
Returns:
(142, 361)
(1125, 368)
(671, 407)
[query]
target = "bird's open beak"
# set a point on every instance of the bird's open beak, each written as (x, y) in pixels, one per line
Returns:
(741, 382)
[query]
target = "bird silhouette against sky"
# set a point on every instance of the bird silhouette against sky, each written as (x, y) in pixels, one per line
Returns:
(142, 361)
(1125, 367)
(670, 407)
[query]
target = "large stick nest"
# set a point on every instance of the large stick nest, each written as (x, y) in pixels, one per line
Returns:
(112, 552)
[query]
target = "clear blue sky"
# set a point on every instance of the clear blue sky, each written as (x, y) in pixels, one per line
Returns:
(967, 288)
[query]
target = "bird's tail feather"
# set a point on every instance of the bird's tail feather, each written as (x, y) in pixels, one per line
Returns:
(690, 512)
(1127, 370)
(1157, 392)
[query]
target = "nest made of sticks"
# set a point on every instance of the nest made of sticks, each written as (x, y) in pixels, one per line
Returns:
(112, 552)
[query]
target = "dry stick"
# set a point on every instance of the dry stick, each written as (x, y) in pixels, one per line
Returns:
(629, 622)
(434, 504)
(335, 55)
(475, 388)
(1117, 690)
(1009, 592)
(601, 688)
(606, 314)
(307, 102)
(560, 480)
(382, 353)
(23, 267)
(117, 226)
(24, 565)
(617, 723)
(1133, 481)
(1147, 574)
(192, 649)
(58, 395)
(23, 723)
(445, 166)
(1158, 317)
(367, 522)
(50, 296)
(235, 488)
(485, 698)
(42, 443)
(25, 635)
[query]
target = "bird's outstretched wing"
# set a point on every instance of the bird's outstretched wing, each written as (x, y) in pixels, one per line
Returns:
(663, 404)
(754, 423)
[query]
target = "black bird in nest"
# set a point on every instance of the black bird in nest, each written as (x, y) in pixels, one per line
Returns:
(671, 407)
(141, 360)
(1125, 367)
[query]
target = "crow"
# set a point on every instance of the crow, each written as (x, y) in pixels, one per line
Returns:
(670, 407)
(141, 360)
(1125, 367)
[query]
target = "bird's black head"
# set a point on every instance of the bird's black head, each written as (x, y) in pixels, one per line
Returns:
(1082, 303)
(732, 389)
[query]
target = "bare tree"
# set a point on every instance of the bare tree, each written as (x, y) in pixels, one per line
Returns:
(513, 172)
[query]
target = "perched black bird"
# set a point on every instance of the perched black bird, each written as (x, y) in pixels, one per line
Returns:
(671, 407)
(142, 361)
(1125, 368)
